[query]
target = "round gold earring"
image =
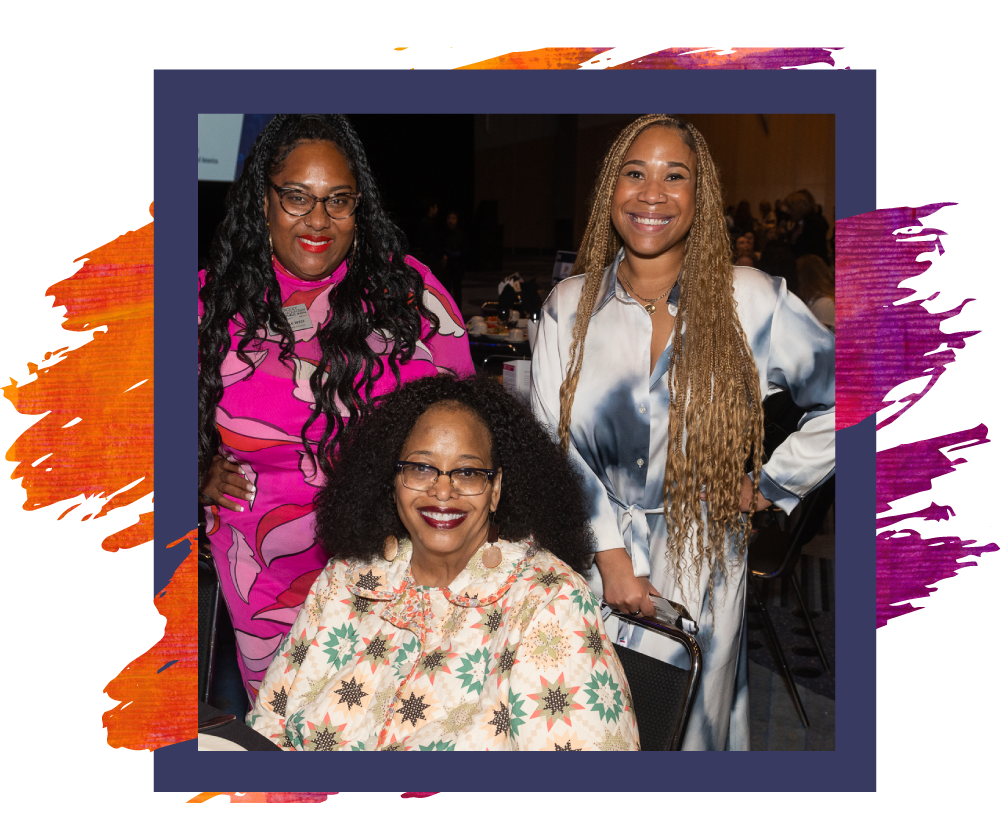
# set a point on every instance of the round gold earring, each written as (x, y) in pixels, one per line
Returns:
(492, 555)
(390, 549)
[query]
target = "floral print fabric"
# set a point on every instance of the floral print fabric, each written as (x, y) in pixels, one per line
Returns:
(507, 658)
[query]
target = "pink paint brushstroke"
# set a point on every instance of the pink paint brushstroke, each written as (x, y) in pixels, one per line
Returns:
(886, 337)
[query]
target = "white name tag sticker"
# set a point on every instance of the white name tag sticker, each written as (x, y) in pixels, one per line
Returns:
(297, 316)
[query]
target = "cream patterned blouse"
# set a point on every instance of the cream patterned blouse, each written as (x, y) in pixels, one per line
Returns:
(509, 658)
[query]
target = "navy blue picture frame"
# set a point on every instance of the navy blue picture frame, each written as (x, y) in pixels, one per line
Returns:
(179, 95)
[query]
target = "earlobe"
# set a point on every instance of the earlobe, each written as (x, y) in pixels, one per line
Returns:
(495, 501)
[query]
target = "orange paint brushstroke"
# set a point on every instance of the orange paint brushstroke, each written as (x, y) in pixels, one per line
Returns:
(549, 58)
(156, 707)
(112, 445)
(671, 58)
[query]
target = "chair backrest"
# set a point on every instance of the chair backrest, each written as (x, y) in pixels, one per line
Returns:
(777, 545)
(208, 612)
(662, 694)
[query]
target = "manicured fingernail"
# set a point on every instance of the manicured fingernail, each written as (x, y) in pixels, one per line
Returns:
(252, 489)
(242, 508)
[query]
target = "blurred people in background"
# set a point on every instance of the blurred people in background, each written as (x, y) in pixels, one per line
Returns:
(808, 230)
(816, 288)
(744, 254)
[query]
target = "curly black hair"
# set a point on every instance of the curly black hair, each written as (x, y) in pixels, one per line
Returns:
(379, 291)
(542, 495)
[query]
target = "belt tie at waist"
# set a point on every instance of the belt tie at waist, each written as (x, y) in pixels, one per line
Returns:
(635, 532)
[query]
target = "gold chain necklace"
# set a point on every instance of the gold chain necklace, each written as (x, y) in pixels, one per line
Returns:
(650, 305)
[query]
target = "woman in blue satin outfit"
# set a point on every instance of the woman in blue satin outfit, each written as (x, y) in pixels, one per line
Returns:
(668, 429)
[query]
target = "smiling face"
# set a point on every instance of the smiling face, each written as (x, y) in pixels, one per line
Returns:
(653, 203)
(442, 524)
(312, 246)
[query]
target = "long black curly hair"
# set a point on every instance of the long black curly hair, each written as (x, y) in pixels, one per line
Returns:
(542, 495)
(379, 291)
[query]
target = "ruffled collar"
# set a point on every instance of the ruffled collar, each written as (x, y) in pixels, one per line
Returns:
(475, 586)
(284, 275)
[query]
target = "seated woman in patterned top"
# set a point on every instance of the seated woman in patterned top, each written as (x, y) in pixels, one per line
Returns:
(431, 632)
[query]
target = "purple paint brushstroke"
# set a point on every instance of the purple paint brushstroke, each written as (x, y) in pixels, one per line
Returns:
(756, 58)
(906, 563)
(880, 343)
(886, 337)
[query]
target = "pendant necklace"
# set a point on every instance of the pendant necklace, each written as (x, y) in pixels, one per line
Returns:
(650, 303)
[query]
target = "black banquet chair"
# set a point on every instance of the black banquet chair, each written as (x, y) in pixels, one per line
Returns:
(662, 693)
(774, 553)
(208, 617)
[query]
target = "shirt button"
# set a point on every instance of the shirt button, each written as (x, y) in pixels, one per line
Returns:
(642, 409)
(640, 461)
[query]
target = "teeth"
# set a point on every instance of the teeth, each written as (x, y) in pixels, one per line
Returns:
(648, 221)
(444, 516)
(314, 242)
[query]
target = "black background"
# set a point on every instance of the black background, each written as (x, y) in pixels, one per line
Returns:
(927, 658)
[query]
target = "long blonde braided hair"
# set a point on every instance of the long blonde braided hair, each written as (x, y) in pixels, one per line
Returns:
(719, 408)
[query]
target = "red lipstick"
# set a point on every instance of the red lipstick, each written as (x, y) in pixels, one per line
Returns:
(442, 518)
(314, 243)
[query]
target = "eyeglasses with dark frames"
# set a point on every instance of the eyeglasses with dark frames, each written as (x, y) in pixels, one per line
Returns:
(299, 203)
(466, 480)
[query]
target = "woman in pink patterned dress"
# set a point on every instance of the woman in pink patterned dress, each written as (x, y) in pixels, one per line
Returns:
(308, 313)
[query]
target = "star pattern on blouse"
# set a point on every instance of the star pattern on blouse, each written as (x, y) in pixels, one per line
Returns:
(376, 648)
(279, 702)
(494, 620)
(325, 739)
(368, 581)
(501, 720)
(412, 709)
(350, 693)
(299, 653)
(613, 742)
